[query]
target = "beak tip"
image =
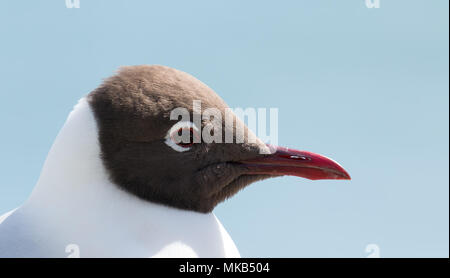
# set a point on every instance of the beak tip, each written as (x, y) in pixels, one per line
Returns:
(344, 175)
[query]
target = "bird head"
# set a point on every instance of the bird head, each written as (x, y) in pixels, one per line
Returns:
(166, 137)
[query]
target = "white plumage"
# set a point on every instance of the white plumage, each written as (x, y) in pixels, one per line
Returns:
(75, 204)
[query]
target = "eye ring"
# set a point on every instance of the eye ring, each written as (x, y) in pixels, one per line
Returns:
(193, 136)
(182, 126)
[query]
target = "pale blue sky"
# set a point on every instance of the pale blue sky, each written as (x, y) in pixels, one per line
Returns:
(367, 87)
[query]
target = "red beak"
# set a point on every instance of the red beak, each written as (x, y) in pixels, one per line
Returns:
(297, 163)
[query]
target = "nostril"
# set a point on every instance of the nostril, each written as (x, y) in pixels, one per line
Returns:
(300, 157)
(296, 157)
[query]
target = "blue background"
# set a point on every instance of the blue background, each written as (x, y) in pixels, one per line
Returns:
(367, 87)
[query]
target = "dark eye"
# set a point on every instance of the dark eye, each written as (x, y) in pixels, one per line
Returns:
(187, 139)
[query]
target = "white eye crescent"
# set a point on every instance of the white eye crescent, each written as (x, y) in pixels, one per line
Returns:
(174, 136)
